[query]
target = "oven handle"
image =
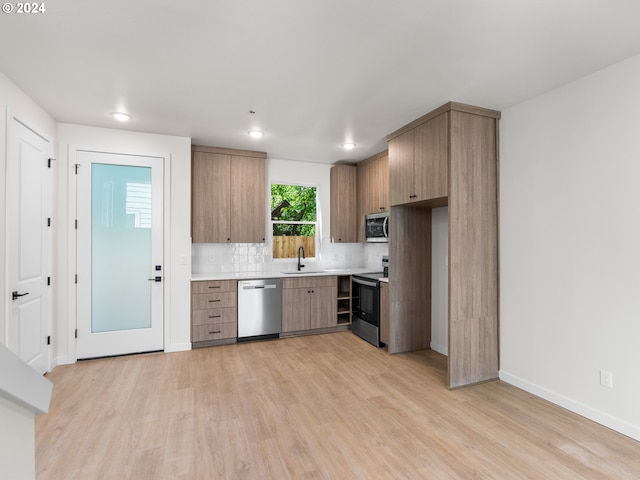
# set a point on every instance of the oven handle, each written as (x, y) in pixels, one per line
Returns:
(368, 283)
(384, 227)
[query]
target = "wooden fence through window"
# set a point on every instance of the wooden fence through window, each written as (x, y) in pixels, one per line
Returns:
(287, 247)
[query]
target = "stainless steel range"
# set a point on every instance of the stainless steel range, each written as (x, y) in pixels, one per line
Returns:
(365, 301)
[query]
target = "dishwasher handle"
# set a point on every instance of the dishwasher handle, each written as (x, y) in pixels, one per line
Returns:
(254, 287)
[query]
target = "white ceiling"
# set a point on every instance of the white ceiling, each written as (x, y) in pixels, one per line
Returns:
(317, 72)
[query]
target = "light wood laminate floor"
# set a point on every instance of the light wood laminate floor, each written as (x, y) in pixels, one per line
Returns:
(316, 407)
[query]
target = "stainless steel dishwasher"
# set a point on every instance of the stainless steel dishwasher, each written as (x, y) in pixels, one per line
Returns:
(259, 309)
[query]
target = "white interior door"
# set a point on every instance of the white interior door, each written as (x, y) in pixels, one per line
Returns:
(28, 243)
(119, 254)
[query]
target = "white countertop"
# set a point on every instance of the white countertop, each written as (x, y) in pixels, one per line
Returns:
(196, 277)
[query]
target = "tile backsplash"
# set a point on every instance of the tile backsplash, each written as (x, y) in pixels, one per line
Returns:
(257, 257)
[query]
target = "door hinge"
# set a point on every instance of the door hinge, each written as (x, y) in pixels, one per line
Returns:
(76, 333)
(76, 223)
(49, 340)
(49, 222)
(48, 281)
(49, 162)
(76, 167)
(76, 278)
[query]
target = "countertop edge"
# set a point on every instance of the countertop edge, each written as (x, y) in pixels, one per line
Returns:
(202, 277)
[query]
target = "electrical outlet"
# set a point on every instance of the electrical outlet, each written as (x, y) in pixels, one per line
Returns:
(606, 379)
(211, 257)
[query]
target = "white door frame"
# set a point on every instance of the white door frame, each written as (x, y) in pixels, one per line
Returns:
(73, 249)
(11, 117)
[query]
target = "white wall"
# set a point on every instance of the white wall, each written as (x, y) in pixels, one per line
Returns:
(440, 280)
(179, 203)
(570, 245)
(17, 442)
(20, 104)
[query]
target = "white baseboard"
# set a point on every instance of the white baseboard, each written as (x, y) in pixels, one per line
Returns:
(581, 409)
(63, 360)
(443, 349)
(177, 347)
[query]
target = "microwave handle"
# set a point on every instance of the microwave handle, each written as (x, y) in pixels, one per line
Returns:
(384, 227)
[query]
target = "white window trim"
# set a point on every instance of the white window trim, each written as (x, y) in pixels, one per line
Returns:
(317, 223)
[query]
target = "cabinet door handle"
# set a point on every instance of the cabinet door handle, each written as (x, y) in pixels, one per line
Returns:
(214, 301)
(217, 286)
(215, 316)
(215, 331)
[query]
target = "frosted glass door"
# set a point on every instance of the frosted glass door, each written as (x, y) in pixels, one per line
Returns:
(120, 254)
(120, 247)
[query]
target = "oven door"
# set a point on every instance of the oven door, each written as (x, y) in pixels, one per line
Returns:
(365, 301)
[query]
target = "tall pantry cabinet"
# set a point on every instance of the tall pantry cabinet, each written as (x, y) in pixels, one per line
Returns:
(448, 157)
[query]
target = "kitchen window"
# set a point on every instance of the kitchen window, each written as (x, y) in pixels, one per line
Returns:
(294, 220)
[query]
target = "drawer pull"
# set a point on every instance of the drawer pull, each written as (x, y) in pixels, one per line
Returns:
(217, 286)
(215, 316)
(214, 301)
(215, 331)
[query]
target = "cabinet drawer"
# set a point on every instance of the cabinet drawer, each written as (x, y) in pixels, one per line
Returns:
(212, 316)
(213, 286)
(201, 301)
(203, 333)
(309, 282)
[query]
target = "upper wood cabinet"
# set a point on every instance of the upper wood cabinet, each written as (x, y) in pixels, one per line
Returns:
(373, 188)
(418, 161)
(343, 204)
(228, 195)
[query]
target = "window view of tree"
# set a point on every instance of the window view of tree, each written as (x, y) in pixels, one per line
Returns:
(293, 216)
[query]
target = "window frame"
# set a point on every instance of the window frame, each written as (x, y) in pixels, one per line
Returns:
(317, 223)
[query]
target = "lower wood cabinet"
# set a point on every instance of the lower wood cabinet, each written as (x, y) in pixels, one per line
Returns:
(214, 314)
(309, 303)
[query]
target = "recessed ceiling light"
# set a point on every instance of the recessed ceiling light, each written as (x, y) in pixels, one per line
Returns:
(255, 133)
(348, 146)
(121, 116)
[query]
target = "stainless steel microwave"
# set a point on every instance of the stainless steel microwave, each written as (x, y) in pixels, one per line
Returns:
(376, 227)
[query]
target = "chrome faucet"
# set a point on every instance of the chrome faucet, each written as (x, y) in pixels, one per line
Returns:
(300, 248)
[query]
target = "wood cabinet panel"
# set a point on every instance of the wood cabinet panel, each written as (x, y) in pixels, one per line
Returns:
(204, 333)
(401, 175)
(385, 332)
(323, 307)
(211, 286)
(473, 250)
(380, 182)
(431, 158)
(295, 310)
(211, 316)
(308, 282)
(248, 199)
(410, 279)
(211, 198)
(343, 204)
(200, 301)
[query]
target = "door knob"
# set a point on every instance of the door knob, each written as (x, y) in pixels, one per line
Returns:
(15, 295)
